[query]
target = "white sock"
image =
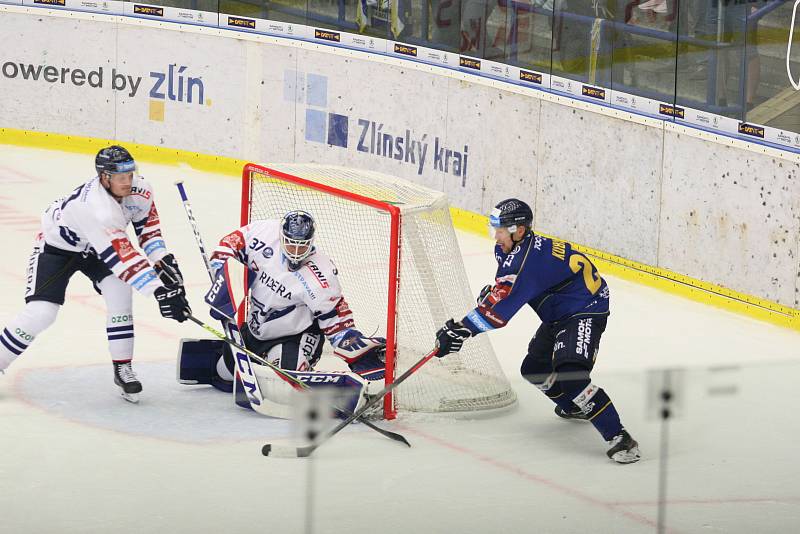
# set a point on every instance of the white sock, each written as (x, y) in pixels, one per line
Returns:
(17, 336)
(119, 317)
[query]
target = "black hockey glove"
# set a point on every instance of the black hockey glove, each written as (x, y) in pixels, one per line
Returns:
(172, 302)
(451, 337)
(487, 289)
(168, 271)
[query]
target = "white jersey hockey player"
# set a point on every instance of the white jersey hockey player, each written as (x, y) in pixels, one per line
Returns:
(86, 231)
(295, 300)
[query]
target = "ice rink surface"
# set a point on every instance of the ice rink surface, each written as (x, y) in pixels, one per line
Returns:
(76, 458)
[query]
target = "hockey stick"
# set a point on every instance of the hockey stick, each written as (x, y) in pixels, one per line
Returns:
(299, 385)
(252, 388)
(301, 452)
(228, 330)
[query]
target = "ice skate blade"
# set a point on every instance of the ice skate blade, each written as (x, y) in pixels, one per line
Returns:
(627, 457)
(133, 398)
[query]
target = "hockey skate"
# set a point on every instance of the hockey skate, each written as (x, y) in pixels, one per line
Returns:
(624, 449)
(576, 414)
(126, 379)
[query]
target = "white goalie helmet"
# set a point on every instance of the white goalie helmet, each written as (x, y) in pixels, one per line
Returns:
(297, 237)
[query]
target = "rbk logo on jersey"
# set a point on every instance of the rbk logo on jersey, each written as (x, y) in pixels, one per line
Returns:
(124, 249)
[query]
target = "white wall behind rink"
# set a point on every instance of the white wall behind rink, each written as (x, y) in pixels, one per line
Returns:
(664, 195)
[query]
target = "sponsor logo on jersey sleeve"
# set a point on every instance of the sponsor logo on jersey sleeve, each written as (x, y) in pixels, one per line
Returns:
(152, 217)
(234, 240)
(342, 308)
(124, 249)
(499, 292)
(495, 320)
(148, 276)
(127, 274)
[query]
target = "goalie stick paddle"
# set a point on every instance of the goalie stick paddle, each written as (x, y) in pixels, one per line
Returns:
(297, 384)
(271, 449)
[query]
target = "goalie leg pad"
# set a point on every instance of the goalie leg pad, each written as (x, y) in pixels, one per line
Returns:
(350, 390)
(197, 361)
(239, 394)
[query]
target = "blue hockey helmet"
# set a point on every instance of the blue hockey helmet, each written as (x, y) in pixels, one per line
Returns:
(510, 213)
(114, 160)
(297, 237)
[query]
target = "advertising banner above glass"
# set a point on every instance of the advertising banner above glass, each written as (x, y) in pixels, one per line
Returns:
(726, 66)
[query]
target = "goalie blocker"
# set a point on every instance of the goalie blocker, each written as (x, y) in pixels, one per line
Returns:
(201, 361)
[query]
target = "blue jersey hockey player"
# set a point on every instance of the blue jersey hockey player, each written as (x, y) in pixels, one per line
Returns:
(565, 290)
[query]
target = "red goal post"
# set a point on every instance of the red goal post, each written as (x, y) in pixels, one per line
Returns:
(394, 247)
(401, 273)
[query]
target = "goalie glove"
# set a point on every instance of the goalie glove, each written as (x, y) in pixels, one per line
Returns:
(172, 302)
(365, 356)
(168, 271)
(451, 337)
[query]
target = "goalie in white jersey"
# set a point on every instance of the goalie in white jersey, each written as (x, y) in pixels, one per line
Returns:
(85, 231)
(295, 299)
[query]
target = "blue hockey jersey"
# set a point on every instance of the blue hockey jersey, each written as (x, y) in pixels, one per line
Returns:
(554, 280)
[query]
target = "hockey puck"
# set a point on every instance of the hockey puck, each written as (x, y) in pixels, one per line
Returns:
(265, 450)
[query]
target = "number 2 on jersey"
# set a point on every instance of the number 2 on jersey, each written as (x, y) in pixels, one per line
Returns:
(578, 262)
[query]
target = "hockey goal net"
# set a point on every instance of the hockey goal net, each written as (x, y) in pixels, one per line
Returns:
(401, 273)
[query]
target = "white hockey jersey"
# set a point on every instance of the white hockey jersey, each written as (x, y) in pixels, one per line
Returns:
(91, 221)
(284, 302)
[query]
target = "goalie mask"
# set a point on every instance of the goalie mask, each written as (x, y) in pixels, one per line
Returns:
(297, 237)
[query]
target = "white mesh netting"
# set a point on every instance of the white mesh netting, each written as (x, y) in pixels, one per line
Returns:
(433, 284)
